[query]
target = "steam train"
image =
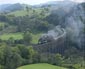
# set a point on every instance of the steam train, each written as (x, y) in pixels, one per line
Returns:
(51, 44)
(45, 39)
(52, 35)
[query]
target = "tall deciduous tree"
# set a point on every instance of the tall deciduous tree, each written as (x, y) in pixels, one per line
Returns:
(27, 37)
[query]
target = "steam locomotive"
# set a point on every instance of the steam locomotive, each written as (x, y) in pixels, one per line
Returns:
(45, 39)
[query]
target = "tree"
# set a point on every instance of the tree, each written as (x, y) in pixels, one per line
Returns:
(3, 17)
(23, 51)
(46, 9)
(27, 37)
(59, 59)
(2, 55)
(42, 13)
(10, 41)
(1, 67)
(28, 8)
(32, 53)
(8, 58)
(27, 53)
(34, 11)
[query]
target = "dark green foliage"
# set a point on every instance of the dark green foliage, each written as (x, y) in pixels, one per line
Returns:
(8, 58)
(23, 51)
(3, 18)
(27, 37)
(10, 41)
(83, 5)
(59, 59)
(12, 57)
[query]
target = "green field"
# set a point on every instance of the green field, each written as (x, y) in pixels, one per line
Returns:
(25, 12)
(35, 38)
(15, 36)
(41, 66)
(19, 13)
(2, 23)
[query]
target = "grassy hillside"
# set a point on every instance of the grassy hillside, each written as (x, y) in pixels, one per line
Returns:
(2, 23)
(30, 12)
(5, 36)
(41, 66)
(35, 38)
(19, 13)
(14, 35)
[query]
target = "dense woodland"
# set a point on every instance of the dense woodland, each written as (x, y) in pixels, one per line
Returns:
(28, 23)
